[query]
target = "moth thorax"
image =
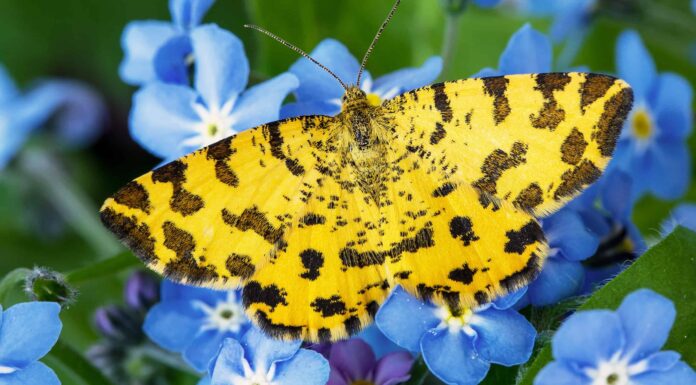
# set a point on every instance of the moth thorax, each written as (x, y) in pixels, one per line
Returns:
(354, 99)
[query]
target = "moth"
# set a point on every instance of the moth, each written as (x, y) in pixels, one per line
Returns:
(436, 190)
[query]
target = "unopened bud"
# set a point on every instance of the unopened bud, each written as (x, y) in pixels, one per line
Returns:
(42, 284)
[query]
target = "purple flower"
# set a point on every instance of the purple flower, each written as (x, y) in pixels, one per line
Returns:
(354, 362)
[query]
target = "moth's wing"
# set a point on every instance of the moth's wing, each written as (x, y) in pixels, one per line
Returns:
(534, 140)
(324, 284)
(212, 217)
(459, 247)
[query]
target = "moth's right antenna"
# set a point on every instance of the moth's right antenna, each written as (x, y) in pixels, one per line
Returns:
(301, 52)
(374, 40)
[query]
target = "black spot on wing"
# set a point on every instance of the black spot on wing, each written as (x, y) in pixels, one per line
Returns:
(530, 197)
(444, 190)
(518, 240)
(610, 122)
(438, 134)
(463, 274)
(328, 307)
(573, 147)
(496, 87)
(461, 228)
(311, 219)
(184, 267)
(182, 201)
(270, 295)
(312, 260)
(520, 278)
(594, 87)
(575, 179)
(133, 195)
(277, 330)
(275, 140)
(221, 152)
(256, 221)
(442, 102)
(136, 236)
(240, 266)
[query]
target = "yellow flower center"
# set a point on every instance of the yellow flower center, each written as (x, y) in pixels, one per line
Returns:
(362, 382)
(642, 124)
(374, 100)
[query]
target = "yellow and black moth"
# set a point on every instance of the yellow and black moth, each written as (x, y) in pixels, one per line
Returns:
(436, 190)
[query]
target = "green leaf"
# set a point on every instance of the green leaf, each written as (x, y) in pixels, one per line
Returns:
(668, 268)
(72, 367)
(106, 267)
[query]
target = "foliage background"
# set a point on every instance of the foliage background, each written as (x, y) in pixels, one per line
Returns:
(80, 39)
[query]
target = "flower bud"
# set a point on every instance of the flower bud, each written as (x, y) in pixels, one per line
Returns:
(42, 284)
(141, 291)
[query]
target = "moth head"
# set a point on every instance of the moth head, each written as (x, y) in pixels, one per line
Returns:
(354, 97)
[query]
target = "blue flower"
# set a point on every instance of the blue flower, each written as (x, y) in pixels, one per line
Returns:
(618, 347)
(570, 17)
(570, 242)
(194, 321)
(458, 348)
(28, 331)
(261, 360)
(652, 147)
(527, 51)
(171, 120)
(320, 94)
(683, 215)
(158, 50)
(76, 109)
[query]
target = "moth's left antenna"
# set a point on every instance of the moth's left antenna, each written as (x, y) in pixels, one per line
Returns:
(301, 52)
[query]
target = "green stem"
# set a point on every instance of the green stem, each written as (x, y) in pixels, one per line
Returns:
(165, 358)
(449, 41)
(570, 50)
(11, 281)
(71, 202)
(70, 361)
(117, 263)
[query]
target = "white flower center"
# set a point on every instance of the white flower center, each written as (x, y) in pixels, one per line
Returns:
(7, 369)
(616, 371)
(216, 123)
(258, 377)
(455, 323)
(226, 316)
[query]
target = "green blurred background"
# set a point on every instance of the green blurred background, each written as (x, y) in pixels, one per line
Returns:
(80, 39)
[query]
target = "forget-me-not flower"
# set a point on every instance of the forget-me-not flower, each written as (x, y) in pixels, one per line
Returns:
(683, 215)
(458, 348)
(527, 51)
(320, 94)
(652, 147)
(27, 332)
(622, 347)
(171, 120)
(257, 359)
(195, 321)
(77, 113)
(159, 50)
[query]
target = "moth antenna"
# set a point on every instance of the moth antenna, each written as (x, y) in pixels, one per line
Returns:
(298, 50)
(374, 41)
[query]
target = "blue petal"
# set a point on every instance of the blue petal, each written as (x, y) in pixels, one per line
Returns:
(571, 18)
(8, 89)
(571, 342)
(528, 51)
(222, 69)
(35, 374)
(202, 349)
(315, 83)
(669, 172)
(507, 301)
(176, 291)
(173, 324)
(634, 63)
(405, 331)
(407, 79)
(452, 358)
(304, 368)
(486, 72)
(487, 3)
(672, 106)
(261, 104)
(558, 279)
(77, 109)
(140, 42)
(170, 60)
(681, 373)
(205, 381)
(314, 107)
(662, 361)
(503, 336)
(647, 318)
(566, 231)
(229, 364)
(162, 118)
(555, 373)
(683, 215)
(262, 351)
(379, 343)
(29, 331)
(616, 194)
(188, 13)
